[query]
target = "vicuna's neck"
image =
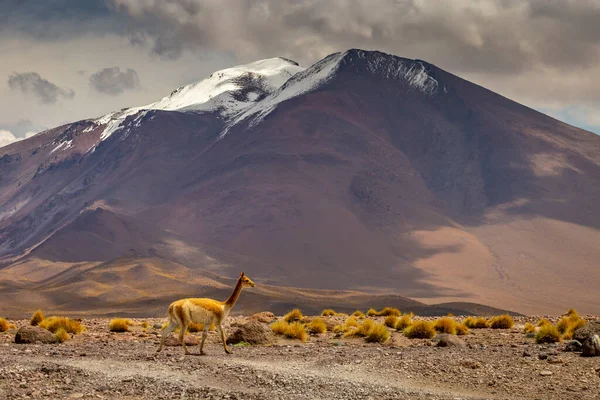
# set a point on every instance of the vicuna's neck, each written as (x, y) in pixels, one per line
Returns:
(234, 296)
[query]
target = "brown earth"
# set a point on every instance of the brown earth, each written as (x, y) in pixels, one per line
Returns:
(99, 364)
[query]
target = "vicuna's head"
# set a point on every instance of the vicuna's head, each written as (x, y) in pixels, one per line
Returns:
(246, 282)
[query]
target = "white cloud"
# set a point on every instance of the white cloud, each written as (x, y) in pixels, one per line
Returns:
(7, 137)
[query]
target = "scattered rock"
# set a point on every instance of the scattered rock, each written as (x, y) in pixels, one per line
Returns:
(265, 317)
(34, 334)
(573, 345)
(252, 332)
(543, 356)
(546, 373)
(446, 340)
(157, 326)
(588, 330)
(591, 347)
(188, 339)
(526, 353)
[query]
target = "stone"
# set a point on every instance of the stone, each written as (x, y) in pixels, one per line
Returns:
(543, 356)
(188, 339)
(265, 317)
(157, 326)
(546, 373)
(573, 345)
(591, 347)
(33, 334)
(446, 340)
(252, 332)
(589, 329)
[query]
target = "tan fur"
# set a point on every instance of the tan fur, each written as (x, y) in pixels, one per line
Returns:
(202, 311)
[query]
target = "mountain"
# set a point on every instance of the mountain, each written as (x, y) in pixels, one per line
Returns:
(363, 172)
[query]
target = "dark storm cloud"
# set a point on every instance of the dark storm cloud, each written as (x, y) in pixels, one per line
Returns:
(32, 83)
(58, 19)
(496, 36)
(112, 81)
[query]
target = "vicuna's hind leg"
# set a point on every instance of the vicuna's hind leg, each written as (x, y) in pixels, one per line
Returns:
(166, 332)
(223, 338)
(204, 335)
(182, 331)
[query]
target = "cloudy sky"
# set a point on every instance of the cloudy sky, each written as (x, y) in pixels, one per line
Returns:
(64, 60)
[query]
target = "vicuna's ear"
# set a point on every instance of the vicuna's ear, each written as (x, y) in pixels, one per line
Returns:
(242, 274)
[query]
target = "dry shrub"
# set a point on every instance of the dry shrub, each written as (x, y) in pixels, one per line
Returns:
(36, 318)
(358, 314)
(543, 322)
(340, 329)
(547, 334)
(61, 335)
(389, 311)
(391, 321)
(445, 325)
(279, 327)
(501, 322)
(528, 328)
(296, 330)
(378, 334)
(420, 330)
(144, 325)
(462, 329)
(361, 330)
(119, 325)
(469, 322)
(572, 313)
(293, 316)
(404, 322)
(351, 322)
(372, 312)
(54, 323)
(4, 325)
(449, 315)
(481, 323)
(569, 324)
(317, 326)
(328, 312)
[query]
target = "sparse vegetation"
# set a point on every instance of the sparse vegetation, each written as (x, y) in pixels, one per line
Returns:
(372, 312)
(501, 322)
(279, 327)
(358, 314)
(61, 335)
(404, 322)
(339, 329)
(316, 326)
(328, 312)
(119, 325)
(390, 321)
(547, 334)
(144, 325)
(296, 330)
(54, 323)
(351, 322)
(36, 318)
(293, 316)
(528, 328)
(572, 313)
(420, 330)
(4, 326)
(445, 325)
(543, 322)
(476, 323)
(569, 324)
(462, 329)
(378, 334)
(387, 311)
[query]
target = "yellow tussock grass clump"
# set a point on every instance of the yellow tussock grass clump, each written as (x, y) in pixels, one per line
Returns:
(358, 314)
(390, 321)
(351, 322)
(339, 329)
(462, 329)
(361, 330)
(296, 330)
(119, 325)
(144, 325)
(476, 323)
(328, 312)
(4, 325)
(569, 324)
(501, 322)
(317, 326)
(378, 334)
(420, 330)
(528, 328)
(372, 312)
(279, 327)
(403, 322)
(54, 323)
(445, 325)
(61, 335)
(572, 313)
(543, 322)
(547, 334)
(36, 318)
(293, 316)
(383, 313)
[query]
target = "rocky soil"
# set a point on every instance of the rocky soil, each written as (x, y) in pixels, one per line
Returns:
(98, 364)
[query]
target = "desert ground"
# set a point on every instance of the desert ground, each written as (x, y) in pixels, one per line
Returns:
(99, 364)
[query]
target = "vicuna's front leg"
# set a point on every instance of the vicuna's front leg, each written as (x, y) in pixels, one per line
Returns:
(204, 335)
(220, 329)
